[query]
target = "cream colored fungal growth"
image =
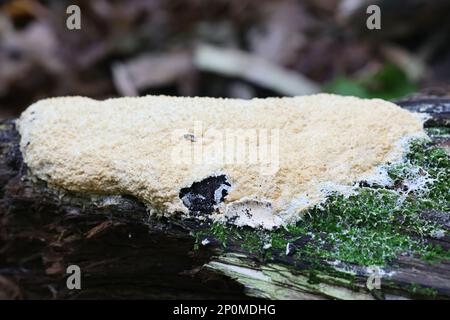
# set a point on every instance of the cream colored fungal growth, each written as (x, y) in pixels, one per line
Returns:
(253, 162)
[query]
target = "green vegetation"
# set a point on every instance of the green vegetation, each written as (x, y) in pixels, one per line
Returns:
(389, 82)
(371, 227)
(417, 289)
(438, 131)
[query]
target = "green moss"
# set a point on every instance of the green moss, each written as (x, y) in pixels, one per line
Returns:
(422, 291)
(438, 131)
(435, 254)
(370, 227)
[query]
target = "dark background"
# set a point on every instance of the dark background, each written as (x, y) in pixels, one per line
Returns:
(152, 47)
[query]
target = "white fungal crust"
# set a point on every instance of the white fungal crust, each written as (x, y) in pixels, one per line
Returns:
(129, 145)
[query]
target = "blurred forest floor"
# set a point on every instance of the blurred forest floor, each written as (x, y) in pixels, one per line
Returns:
(234, 48)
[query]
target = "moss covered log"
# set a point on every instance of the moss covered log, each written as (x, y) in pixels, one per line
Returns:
(378, 243)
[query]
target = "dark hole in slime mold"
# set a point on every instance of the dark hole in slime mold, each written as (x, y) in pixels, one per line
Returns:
(200, 196)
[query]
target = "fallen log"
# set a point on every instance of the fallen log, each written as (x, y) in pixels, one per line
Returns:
(124, 252)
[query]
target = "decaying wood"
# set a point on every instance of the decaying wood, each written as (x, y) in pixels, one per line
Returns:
(125, 253)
